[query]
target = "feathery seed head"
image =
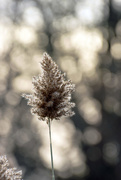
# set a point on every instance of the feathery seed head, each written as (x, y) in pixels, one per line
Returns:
(8, 173)
(51, 92)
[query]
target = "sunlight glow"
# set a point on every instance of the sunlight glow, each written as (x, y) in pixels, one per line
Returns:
(67, 158)
(86, 43)
(91, 13)
(22, 83)
(25, 35)
(69, 65)
(32, 16)
(116, 50)
(5, 38)
(90, 109)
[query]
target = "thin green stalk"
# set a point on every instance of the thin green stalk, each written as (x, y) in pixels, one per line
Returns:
(51, 151)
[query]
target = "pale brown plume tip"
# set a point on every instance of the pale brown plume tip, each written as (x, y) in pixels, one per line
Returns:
(51, 92)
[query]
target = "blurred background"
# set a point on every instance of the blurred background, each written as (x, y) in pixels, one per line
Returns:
(84, 39)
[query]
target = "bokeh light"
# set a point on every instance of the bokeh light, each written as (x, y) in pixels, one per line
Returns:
(111, 152)
(84, 39)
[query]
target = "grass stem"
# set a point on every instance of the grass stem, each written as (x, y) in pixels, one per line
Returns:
(51, 151)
